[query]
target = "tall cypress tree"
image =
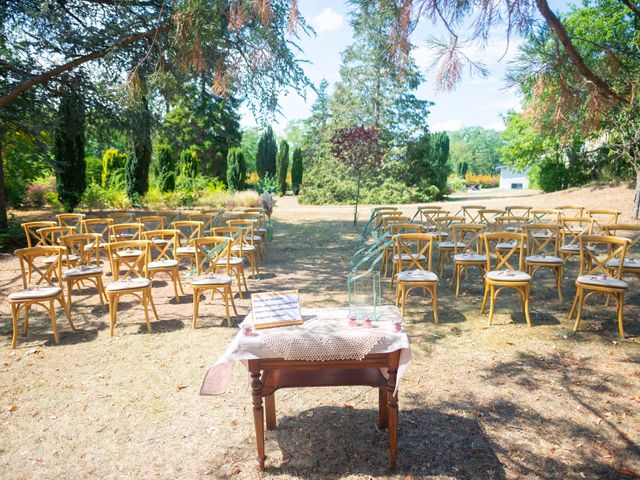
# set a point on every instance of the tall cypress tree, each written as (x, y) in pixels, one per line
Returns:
(137, 169)
(266, 155)
(236, 169)
(296, 170)
(166, 167)
(69, 164)
(283, 166)
(439, 163)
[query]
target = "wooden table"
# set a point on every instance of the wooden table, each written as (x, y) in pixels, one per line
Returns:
(271, 374)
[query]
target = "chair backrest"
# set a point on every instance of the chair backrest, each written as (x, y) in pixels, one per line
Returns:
(248, 227)
(471, 213)
(428, 215)
(387, 221)
(70, 220)
(545, 215)
(83, 245)
(35, 272)
(169, 216)
(602, 218)
(575, 227)
(259, 210)
(237, 235)
(397, 228)
(505, 256)
(31, 232)
(445, 222)
(469, 234)
(594, 261)
(133, 255)
(152, 222)
(212, 253)
(571, 210)
(519, 211)
(122, 232)
(216, 216)
(488, 217)
(99, 226)
(205, 218)
(410, 247)
(542, 238)
(120, 217)
(630, 231)
(162, 244)
(52, 235)
(188, 231)
(510, 223)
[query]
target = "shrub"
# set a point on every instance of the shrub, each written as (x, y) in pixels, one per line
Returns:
(236, 169)
(189, 164)
(455, 183)
(297, 170)
(166, 168)
(94, 170)
(113, 163)
(283, 166)
(247, 198)
(36, 193)
(487, 181)
(52, 201)
(268, 183)
(550, 174)
(253, 179)
(94, 197)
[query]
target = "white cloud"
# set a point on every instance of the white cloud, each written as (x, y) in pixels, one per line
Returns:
(448, 125)
(327, 21)
(499, 125)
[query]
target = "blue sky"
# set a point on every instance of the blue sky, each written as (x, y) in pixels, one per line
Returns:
(476, 101)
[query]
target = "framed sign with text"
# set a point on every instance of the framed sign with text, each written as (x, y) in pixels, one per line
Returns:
(276, 309)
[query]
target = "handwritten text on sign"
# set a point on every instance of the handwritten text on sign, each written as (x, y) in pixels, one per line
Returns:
(274, 309)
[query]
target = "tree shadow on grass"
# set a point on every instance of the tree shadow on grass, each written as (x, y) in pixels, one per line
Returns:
(332, 442)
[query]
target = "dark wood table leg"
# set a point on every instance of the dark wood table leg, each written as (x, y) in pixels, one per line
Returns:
(258, 415)
(270, 407)
(392, 402)
(383, 408)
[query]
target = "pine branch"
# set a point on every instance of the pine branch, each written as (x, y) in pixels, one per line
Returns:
(633, 6)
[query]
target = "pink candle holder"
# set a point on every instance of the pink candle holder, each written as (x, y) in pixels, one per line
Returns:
(367, 322)
(352, 320)
(396, 326)
(247, 329)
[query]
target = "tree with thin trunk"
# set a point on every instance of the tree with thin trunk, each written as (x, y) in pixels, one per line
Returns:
(359, 149)
(624, 144)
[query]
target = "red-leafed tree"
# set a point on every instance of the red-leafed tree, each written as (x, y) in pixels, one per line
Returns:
(359, 149)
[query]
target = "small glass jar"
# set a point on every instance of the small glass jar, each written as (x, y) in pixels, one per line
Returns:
(247, 329)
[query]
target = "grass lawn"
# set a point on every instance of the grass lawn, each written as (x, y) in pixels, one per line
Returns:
(477, 402)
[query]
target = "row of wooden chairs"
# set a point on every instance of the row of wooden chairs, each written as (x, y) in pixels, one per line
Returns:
(135, 256)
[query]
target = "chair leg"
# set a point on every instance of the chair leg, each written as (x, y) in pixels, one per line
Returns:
(575, 302)
(458, 280)
(15, 312)
(559, 275)
(226, 305)
(402, 299)
(620, 300)
(526, 294)
(196, 304)
(54, 325)
(176, 279)
(113, 307)
(69, 291)
(491, 303)
(580, 299)
(434, 303)
(153, 305)
(398, 294)
(25, 324)
(145, 305)
(454, 275)
(101, 293)
(244, 280)
(484, 298)
(233, 303)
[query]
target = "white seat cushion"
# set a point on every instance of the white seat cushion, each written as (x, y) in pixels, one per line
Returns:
(41, 292)
(407, 258)
(159, 241)
(506, 245)
(629, 263)
(81, 270)
(417, 276)
(508, 276)
(67, 258)
(602, 281)
(186, 250)
(450, 245)
(255, 238)
(129, 253)
(232, 261)
(469, 257)
(574, 248)
(438, 234)
(128, 284)
(163, 264)
(542, 235)
(211, 279)
(543, 259)
(245, 248)
(91, 246)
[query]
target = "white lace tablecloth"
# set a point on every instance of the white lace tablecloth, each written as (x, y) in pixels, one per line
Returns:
(324, 335)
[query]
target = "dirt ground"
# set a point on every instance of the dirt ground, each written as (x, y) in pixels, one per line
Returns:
(478, 402)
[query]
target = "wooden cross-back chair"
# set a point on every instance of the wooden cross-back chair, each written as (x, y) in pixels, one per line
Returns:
(250, 246)
(380, 212)
(99, 226)
(87, 268)
(596, 275)
(125, 232)
(510, 223)
(259, 228)
(169, 216)
(41, 286)
(543, 251)
(519, 211)
(71, 220)
(162, 256)
(603, 218)
(188, 231)
(467, 251)
(630, 231)
(213, 256)
(571, 210)
(391, 254)
(152, 222)
(414, 271)
(129, 261)
(216, 216)
(508, 272)
(236, 259)
(120, 217)
(471, 213)
(545, 215)
(429, 215)
(31, 232)
(572, 228)
(488, 218)
(442, 233)
(52, 236)
(205, 218)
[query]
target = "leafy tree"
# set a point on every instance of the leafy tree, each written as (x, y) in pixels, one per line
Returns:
(69, 164)
(166, 167)
(283, 166)
(359, 149)
(316, 139)
(137, 167)
(249, 145)
(113, 165)
(189, 164)
(236, 170)
(462, 169)
(297, 169)
(429, 160)
(266, 155)
(478, 147)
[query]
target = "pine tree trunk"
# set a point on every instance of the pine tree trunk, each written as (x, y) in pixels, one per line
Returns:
(636, 198)
(355, 212)
(3, 199)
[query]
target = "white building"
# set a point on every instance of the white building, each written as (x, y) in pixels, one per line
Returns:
(512, 180)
